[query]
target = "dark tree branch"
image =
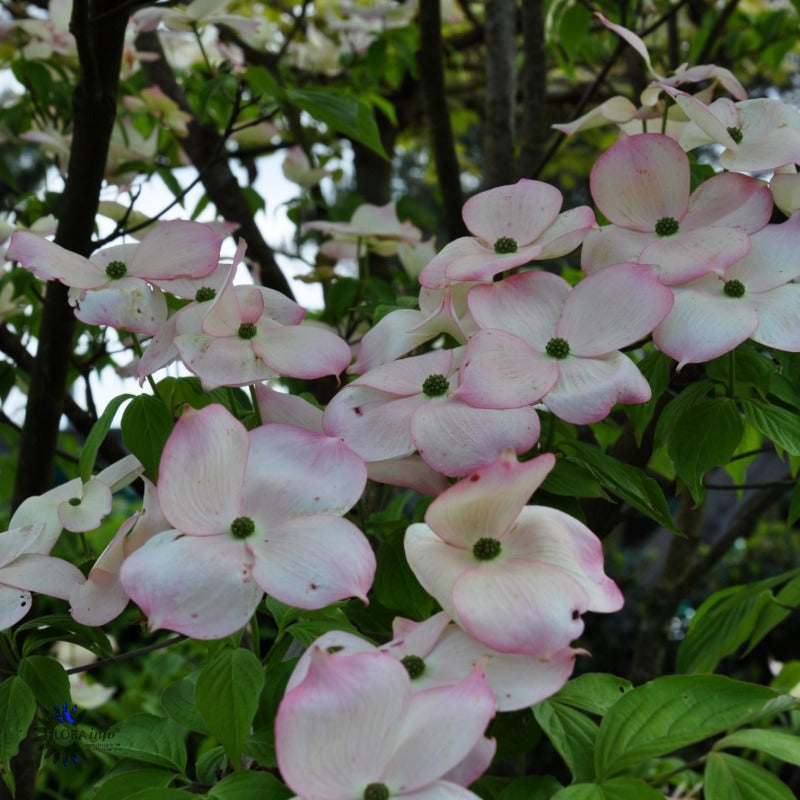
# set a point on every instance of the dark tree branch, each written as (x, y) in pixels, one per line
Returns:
(533, 133)
(431, 72)
(683, 569)
(81, 419)
(499, 162)
(100, 42)
(206, 149)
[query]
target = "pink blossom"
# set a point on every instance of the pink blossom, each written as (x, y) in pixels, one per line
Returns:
(413, 404)
(511, 225)
(25, 567)
(515, 577)
(642, 185)
(440, 311)
(437, 652)
(252, 511)
(101, 598)
(536, 321)
(758, 135)
(752, 299)
(377, 228)
(407, 471)
(353, 729)
(122, 285)
(245, 334)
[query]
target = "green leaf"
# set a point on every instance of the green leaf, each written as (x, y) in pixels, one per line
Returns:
(227, 697)
(785, 746)
(340, 112)
(615, 789)
(250, 786)
(178, 701)
(146, 426)
(531, 787)
(309, 629)
(568, 479)
(731, 778)
(594, 692)
(625, 481)
(158, 794)
(657, 368)
(211, 765)
(721, 630)
(47, 679)
(704, 435)
(132, 781)
(17, 709)
(673, 712)
(144, 737)
(261, 747)
(574, 29)
(396, 586)
(690, 396)
(728, 619)
(572, 733)
(96, 435)
(777, 424)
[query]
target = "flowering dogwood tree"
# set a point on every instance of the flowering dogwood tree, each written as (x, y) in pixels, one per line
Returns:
(365, 552)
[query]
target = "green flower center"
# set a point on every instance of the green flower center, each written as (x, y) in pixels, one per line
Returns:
(74, 501)
(733, 288)
(557, 348)
(116, 270)
(242, 527)
(505, 244)
(435, 385)
(735, 134)
(247, 330)
(486, 548)
(376, 791)
(414, 665)
(205, 293)
(666, 226)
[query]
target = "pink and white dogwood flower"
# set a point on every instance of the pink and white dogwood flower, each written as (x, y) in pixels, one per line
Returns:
(536, 316)
(245, 334)
(511, 225)
(413, 404)
(122, 285)
(26, 567)
(353, 730)
(515, 577)
(437, 652)
(252, 511)
(642, 184)
(753, 299)
(407, 471)
(758, 135)
(101, 598)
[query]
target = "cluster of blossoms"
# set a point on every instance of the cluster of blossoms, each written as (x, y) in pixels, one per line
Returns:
(237, 513)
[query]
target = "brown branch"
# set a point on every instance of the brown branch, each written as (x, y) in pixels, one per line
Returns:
(81, 419)
(205, 147)
(533, 79)
(499, 162)
(683, 569)
(431, 70)
(94, 108)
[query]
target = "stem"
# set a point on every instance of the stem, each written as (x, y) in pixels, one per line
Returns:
(127, 656)
(732, 373)
(256, 409)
